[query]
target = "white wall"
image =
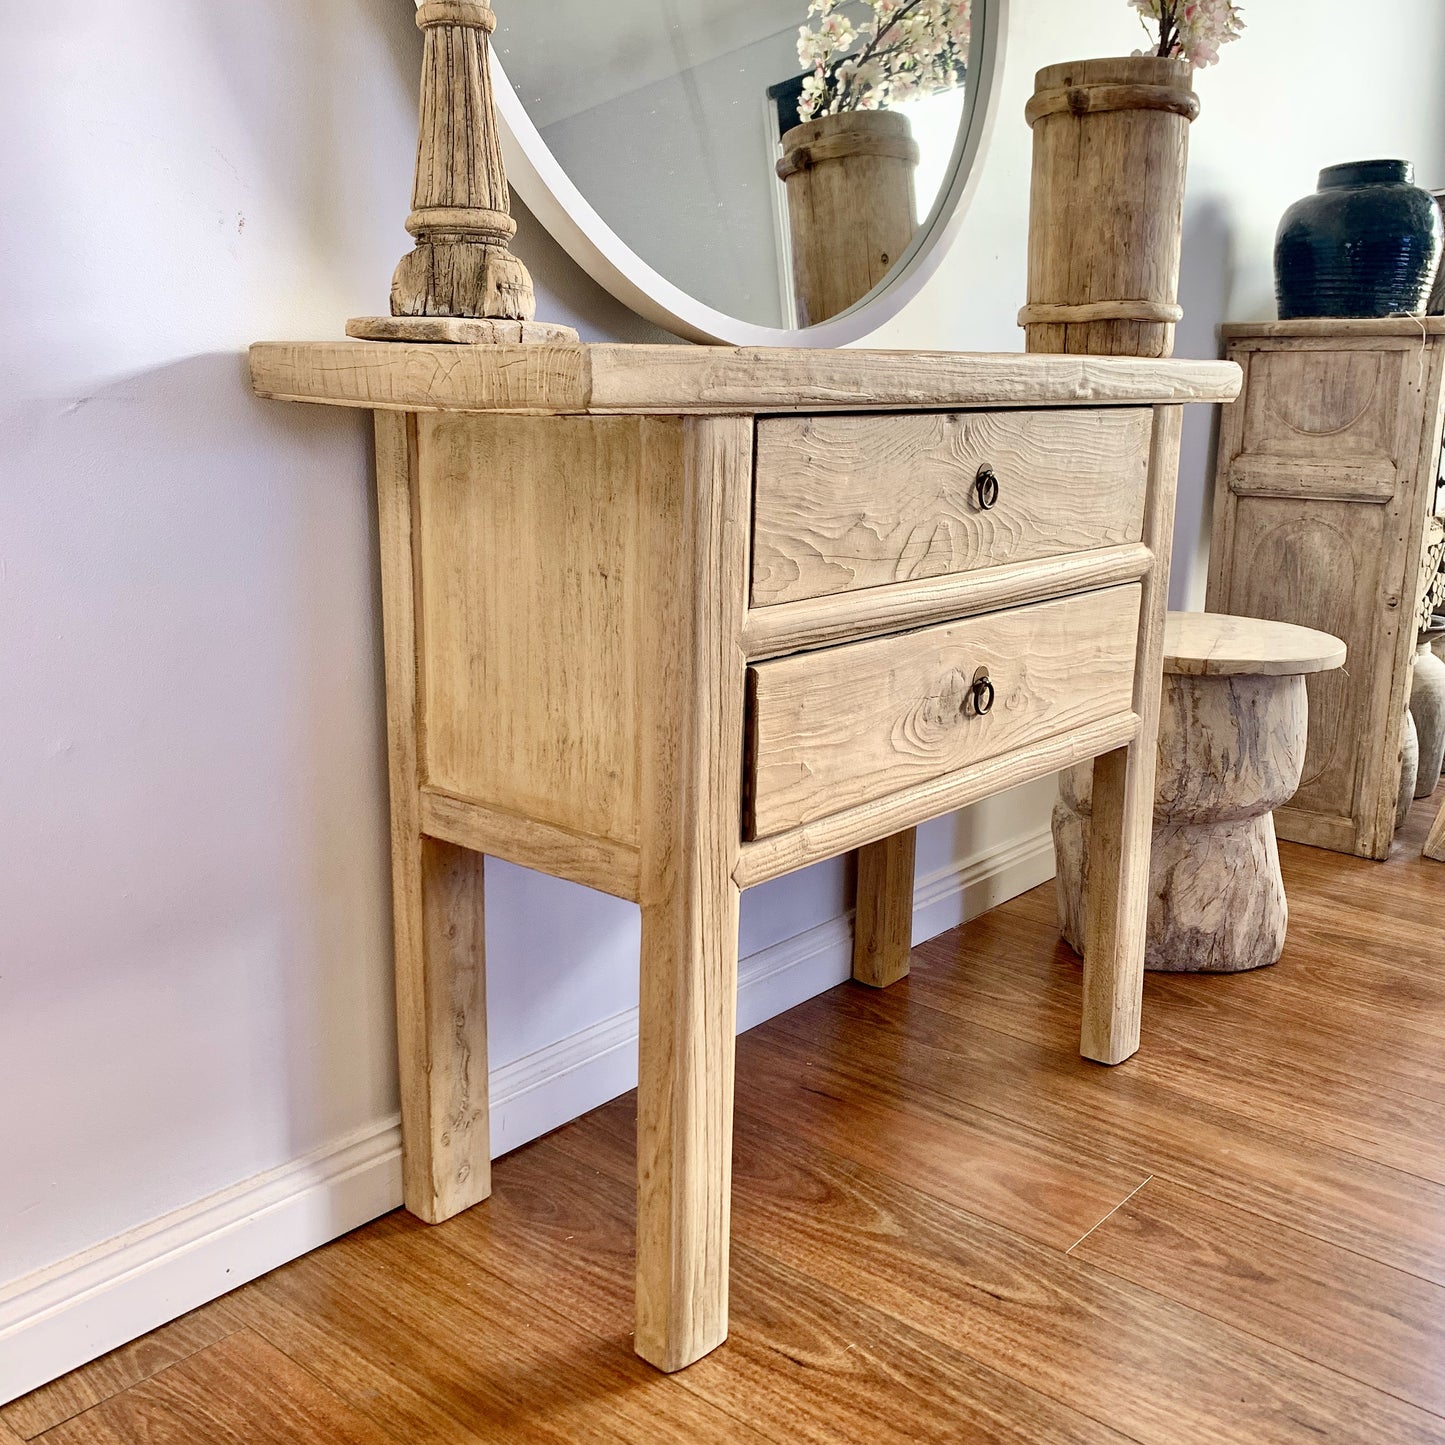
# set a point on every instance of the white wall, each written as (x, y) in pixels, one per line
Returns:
(195, 1023)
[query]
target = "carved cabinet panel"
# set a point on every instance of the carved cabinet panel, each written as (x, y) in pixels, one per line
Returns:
(1324, 481)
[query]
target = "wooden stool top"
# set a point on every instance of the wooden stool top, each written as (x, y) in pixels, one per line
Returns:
(1210, 644)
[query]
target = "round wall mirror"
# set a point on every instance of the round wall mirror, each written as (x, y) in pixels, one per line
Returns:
(759, 172)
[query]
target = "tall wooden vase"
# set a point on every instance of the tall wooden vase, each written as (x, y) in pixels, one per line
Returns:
(1111, 140)
(851, 206)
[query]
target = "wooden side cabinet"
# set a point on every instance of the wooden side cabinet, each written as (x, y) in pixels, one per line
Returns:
(671, 621)
(1327, 472)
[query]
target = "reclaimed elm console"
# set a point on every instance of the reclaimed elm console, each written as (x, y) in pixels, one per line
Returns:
(670, 621)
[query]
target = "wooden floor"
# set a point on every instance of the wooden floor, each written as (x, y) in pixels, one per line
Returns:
(946, 1227)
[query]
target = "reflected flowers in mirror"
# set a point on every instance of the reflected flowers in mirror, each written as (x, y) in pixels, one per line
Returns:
(895, 50)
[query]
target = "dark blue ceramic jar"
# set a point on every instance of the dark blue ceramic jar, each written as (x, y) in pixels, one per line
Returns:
(1367, 243)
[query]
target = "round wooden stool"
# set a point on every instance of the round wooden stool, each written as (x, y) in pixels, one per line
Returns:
(1231, 746)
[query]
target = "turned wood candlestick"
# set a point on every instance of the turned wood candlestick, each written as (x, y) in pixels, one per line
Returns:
(461, 282)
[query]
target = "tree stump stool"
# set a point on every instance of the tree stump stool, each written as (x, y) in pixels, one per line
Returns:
(1232, 725)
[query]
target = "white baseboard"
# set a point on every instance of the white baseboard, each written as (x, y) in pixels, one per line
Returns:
(61, 1317)
(965, 890)
(64, 1316)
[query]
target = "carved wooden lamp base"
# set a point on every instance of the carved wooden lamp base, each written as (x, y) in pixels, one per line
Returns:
(460, 284)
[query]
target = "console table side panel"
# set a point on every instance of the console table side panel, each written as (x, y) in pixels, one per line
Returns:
(530, 592)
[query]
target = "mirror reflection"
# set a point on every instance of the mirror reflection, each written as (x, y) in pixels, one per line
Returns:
(773, 158)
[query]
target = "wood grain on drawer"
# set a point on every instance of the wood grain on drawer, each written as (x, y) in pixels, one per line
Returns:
(849, 502)
(832, 729)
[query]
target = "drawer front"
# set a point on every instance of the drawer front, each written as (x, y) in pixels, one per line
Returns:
(832, 729)
(850, 502)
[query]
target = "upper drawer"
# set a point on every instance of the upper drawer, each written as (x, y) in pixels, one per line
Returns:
(848, 502)
(831, 729)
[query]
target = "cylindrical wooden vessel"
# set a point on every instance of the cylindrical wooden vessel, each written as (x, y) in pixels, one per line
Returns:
(851, 206)
(1438, 648)
(1111, 139)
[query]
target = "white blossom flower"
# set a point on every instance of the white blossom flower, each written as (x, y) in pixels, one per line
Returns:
(903, 49)
(1191, 29)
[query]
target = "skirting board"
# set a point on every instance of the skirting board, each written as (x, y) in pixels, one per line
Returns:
(67, 1315)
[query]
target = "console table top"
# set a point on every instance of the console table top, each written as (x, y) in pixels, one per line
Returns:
(589, 379)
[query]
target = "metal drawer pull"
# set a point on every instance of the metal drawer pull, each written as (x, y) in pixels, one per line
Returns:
(985, 487)
(982, 692)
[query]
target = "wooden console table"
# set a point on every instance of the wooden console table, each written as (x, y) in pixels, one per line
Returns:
(670, 621)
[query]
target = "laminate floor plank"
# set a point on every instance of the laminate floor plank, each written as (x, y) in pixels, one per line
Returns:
(1400, 983)
(1362, 1319)
(499, 1365)
(802, 1362)
(917, 1051)
(1124, 1356)
(1309, 1029)
(1035, 1185)
(349, 1363)
(110, 1374)
(1331, 1099)
(240, 1391)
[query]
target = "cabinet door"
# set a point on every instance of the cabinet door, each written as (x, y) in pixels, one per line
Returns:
(1323, 565)
(1320, 498)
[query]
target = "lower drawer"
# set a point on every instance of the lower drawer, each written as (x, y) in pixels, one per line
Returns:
(831, 729)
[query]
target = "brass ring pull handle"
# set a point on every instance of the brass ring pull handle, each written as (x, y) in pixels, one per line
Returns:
(982, 692)
(985, 487)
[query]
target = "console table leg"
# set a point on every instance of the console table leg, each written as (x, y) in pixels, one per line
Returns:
(441, 998)
(1435, 842)
(698, 478)
(441, 1005)
(1116, 908)
(883, 919)
(684, 1123)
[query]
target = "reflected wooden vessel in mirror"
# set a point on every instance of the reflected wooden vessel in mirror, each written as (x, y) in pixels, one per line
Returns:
(725, 172)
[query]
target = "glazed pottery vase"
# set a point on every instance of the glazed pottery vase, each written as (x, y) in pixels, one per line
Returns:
(1437, 296)
(1409, 770)
(1427, 707)
(1367, 243)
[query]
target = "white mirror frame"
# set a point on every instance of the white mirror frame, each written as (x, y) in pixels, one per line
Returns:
(554, 199)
